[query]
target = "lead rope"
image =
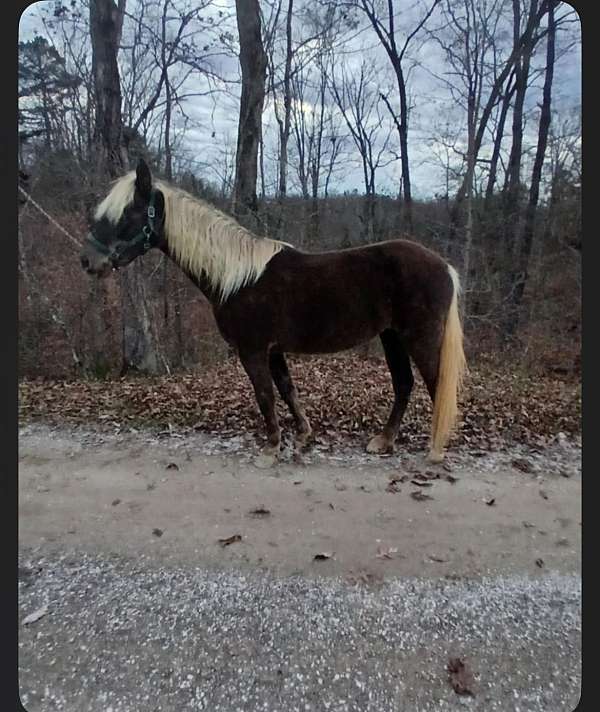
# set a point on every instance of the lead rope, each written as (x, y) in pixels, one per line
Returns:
(74, 240)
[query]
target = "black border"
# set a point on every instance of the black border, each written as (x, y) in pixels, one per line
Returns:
(588, 22)
(9, 347)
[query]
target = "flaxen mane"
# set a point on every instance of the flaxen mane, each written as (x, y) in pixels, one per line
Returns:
(201, 238)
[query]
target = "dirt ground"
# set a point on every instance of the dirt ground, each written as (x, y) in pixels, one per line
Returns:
(507, 530)
(103, 493)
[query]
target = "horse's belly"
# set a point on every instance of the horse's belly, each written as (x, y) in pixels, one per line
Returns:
(328, 335)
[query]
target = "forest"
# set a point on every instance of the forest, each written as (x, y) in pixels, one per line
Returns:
(455, 123)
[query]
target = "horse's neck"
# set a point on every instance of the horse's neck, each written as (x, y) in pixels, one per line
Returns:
(200, 281)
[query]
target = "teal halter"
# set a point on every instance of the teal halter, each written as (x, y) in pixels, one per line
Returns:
(146, 235)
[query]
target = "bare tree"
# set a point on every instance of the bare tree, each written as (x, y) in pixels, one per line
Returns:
(524, 247)
(493, 91)
(512, 186)
(359, 101)
(311, 115)
(468, 43)
(385, 27)
(253, 63)
(106, 24)
(307, 35)
(506, 100)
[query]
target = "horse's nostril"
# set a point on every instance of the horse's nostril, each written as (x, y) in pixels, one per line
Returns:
(85, 263)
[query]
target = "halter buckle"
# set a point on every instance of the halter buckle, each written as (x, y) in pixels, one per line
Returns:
(151, 211)
(147, 232)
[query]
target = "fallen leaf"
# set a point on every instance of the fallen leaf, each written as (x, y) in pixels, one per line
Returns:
(460, 677)
(35, 616)
(437, 558)
(230, 540)
(115, 502)
(451, 479)
(490, 502)
(520, 463)
(422, 483)
(543, 494)
(322, 556)
(430, 475)
(331, 506)
(397, 478)
(420, 496)
(528, 525)
(172, 466)
(386, 554)
(539, 562)
(260, 512)
(157, 532)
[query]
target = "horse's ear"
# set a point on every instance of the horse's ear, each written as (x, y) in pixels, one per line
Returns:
(143, 179)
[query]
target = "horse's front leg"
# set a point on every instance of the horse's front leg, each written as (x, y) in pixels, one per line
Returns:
(256, 365)
(287, 390)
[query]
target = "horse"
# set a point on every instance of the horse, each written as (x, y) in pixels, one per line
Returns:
(270, 299)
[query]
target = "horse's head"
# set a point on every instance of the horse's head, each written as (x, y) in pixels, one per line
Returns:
(126, 224)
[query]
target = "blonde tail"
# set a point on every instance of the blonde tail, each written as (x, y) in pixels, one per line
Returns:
(451, 370)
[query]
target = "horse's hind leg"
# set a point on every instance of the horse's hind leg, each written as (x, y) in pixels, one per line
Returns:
(256, 366)
(289, 394)
(402, 380)
(425, 352)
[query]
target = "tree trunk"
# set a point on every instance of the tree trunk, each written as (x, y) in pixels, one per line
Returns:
(469, 203)
(489, 191)
(106, 22)
(512, 186)
(403, 135)
(524, 250)
(253, 63)
(105, 26)
(284, 128)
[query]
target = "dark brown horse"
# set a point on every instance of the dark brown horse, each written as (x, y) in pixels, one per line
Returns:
(269, 298)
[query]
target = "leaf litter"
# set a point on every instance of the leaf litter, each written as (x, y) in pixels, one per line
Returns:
(342, 396)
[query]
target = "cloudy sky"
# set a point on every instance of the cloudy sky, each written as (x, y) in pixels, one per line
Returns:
(210, 133)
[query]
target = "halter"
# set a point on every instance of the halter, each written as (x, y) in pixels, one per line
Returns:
(145, 235)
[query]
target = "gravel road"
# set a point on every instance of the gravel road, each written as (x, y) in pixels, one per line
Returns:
(142, 610)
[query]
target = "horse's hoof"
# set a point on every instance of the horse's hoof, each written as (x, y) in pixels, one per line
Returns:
(435, 457)
(267, 458)
(302, 439)
(380, 445)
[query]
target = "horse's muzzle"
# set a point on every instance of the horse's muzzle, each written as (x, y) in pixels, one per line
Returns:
(94, 263)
